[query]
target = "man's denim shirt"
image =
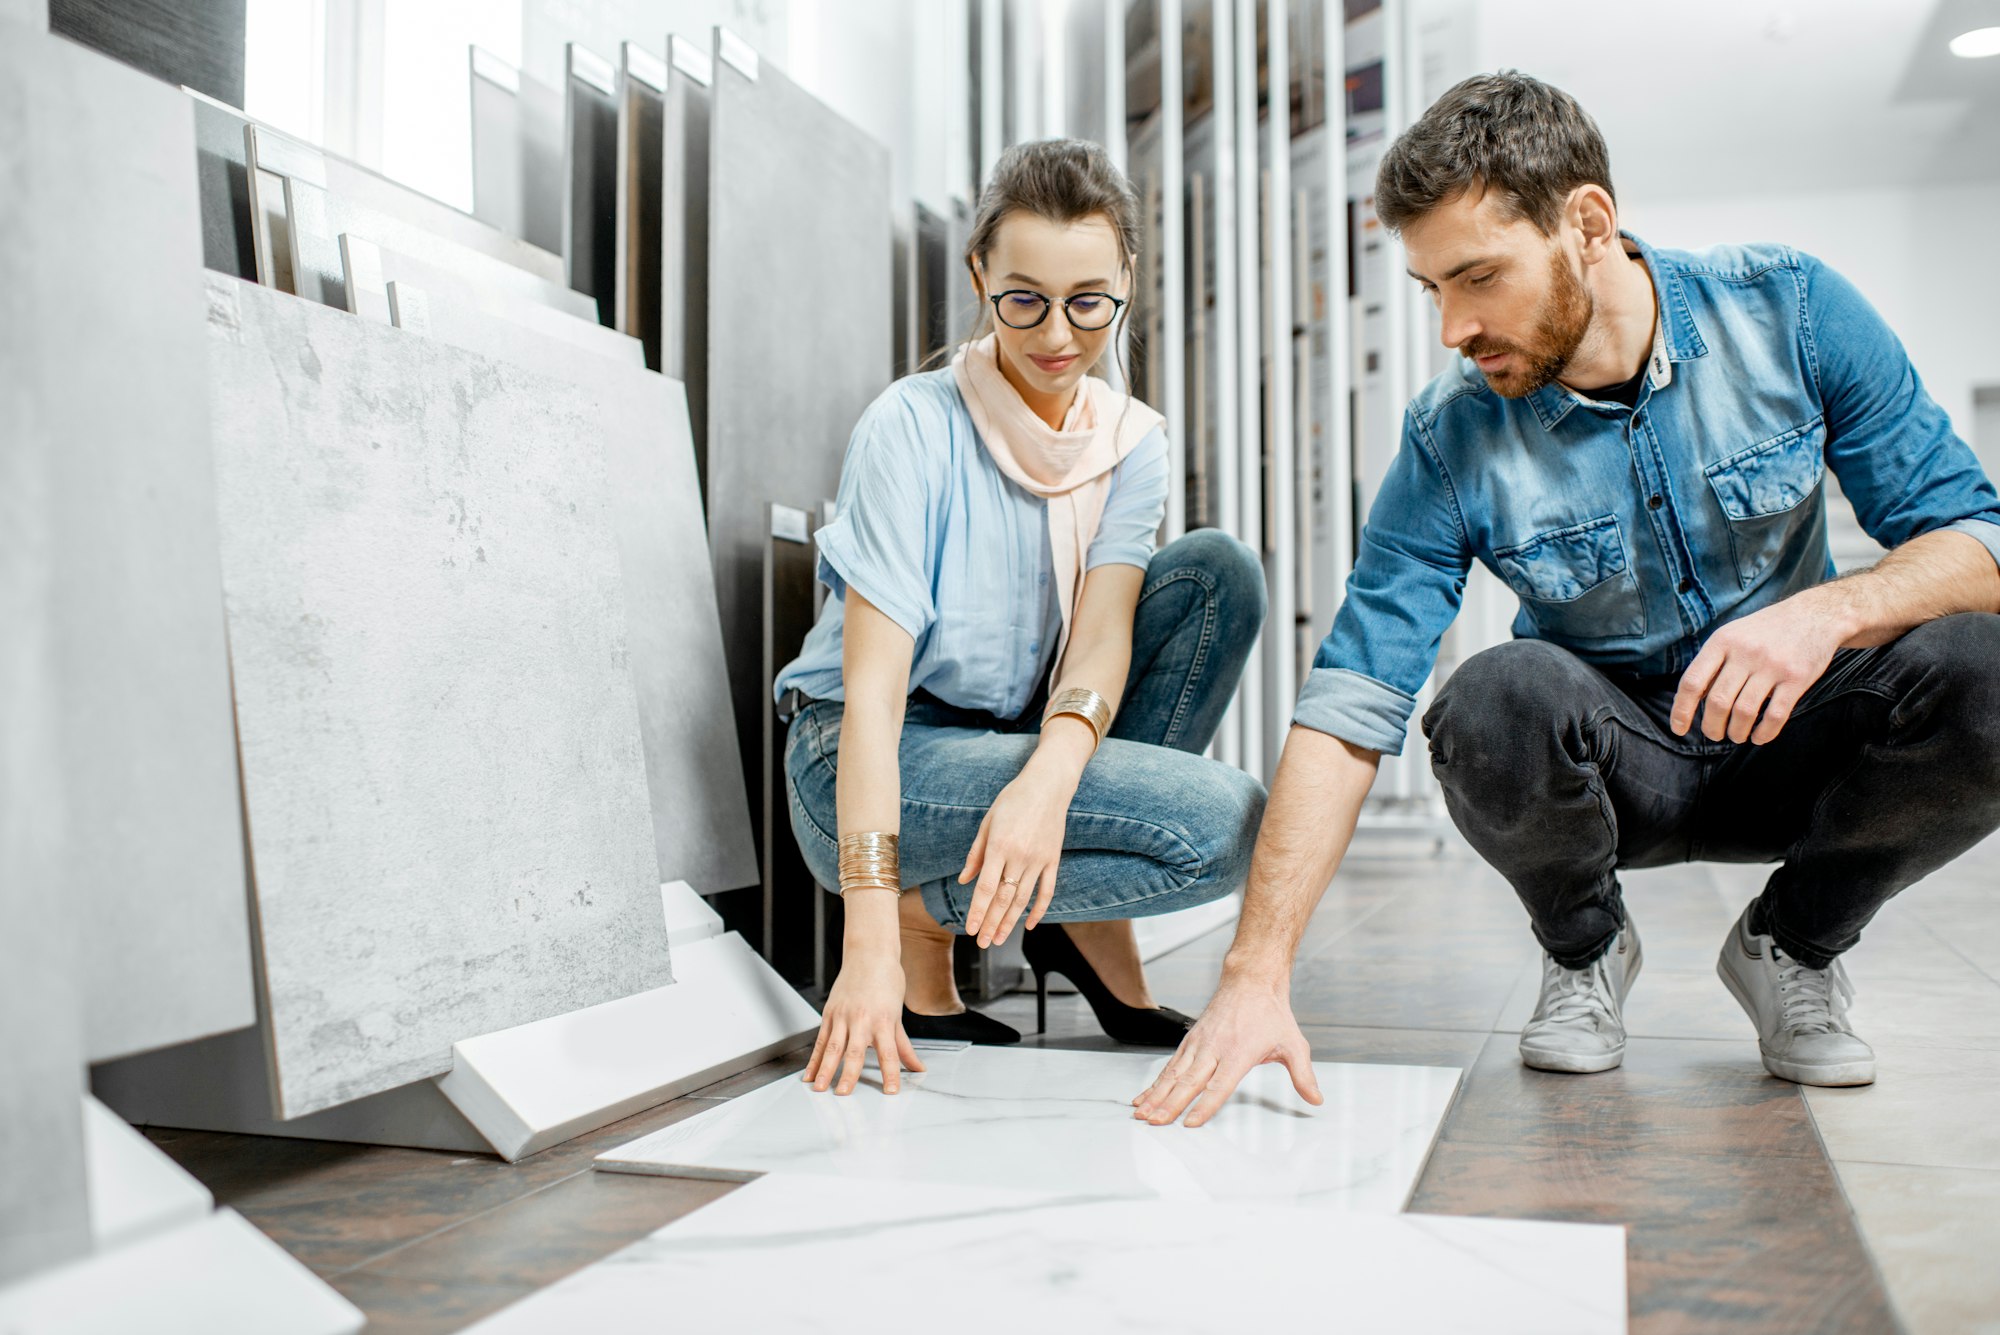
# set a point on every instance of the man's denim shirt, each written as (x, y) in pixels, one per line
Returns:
(1632, 534)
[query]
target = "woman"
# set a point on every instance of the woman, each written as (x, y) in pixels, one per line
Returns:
(959, 759)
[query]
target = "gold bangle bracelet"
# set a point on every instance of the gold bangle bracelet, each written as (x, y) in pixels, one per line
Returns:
(869, 862)
(1088, 705)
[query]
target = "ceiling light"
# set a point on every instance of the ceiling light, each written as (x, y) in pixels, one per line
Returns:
(1979, 42)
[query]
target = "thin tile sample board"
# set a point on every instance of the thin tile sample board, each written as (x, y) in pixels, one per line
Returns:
(315, 197)
(453, 301)
(684, 227)
(442, 768)
(642, 82)
(44, 1214)
(893, 1256)
(517, 128)
(590, 177)
(141, 691)
(1049, 1120)
(701, 809)
(784, 390)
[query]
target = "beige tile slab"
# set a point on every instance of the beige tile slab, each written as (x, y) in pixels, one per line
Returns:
(1663, 1004)
(1934, 1232)
(1930, 1106)
(1955, 1006)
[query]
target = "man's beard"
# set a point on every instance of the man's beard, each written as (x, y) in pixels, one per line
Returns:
(1559, 329)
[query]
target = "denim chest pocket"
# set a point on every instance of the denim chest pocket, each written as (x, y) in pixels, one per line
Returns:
(1576, 582)
(1763, 492)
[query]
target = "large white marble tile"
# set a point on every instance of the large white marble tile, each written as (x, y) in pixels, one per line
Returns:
(1050, 1120)
(908, 1256)
(443, 768)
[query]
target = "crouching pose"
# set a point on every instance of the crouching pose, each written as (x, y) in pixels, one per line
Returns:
(996, 521)
(1635, 439)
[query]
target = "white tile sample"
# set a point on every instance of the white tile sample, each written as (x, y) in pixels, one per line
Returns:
(784, 394)
(458, 305)
(44, 1214)
(136, 1190)
(1050, 1120)
(319, 197)
(908, 1256)
(543, 1083)
(443, 772)
(684, 225)
(694, 773)
(148, 755)
(517, 127)
(216, 1277)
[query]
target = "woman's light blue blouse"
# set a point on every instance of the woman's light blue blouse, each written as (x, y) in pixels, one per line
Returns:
(929, 530)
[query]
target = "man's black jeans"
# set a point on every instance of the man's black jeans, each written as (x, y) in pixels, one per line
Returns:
(1559, 774)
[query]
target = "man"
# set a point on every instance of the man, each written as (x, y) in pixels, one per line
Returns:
(1635, 441)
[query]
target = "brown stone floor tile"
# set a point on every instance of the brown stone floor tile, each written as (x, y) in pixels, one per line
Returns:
(1395, 1047)
(538, 1239)
(336, 1206)
(395, 1305)
(1671, 1096)
(1402, 992)
(1714, 1243)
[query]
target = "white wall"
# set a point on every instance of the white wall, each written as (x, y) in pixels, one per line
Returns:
(1922, 256)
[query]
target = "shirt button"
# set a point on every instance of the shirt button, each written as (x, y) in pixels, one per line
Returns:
(1655, 503)
(1035, 648)
(1687, 586)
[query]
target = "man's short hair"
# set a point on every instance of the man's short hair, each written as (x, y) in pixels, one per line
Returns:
(1505, 132)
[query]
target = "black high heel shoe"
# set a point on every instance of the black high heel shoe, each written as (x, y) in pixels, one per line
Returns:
(1050, 950)
(966, 1027)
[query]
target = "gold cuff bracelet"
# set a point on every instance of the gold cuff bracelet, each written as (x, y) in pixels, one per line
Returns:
(869, 862)
(1085, 704)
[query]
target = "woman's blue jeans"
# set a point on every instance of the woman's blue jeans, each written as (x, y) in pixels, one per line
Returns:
(1154, 826)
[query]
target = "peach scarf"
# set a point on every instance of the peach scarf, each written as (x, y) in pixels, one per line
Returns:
(1069, 468)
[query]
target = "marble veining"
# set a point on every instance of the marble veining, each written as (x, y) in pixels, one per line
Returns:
(442, 765)
(1051, 1120)
(908, 1256)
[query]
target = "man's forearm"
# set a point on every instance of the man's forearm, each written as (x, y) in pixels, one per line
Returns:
(1931, 576)
(1309, 822)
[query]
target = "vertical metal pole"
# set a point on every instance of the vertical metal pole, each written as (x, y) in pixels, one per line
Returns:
(1340, 332)
(1281, 626)
(1249, 336)
(1223, 331)
(1173, 261)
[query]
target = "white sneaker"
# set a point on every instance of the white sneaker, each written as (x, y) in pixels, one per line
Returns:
(1800, 1012)
(1579, 1023)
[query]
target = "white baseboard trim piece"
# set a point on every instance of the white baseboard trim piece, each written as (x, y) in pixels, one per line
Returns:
(224, 1084)
(136, 1190)
(1170, 931)
(540, 1084)
(214, 1276)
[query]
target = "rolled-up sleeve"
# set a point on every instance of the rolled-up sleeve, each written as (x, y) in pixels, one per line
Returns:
(880, 542)
(1408, 582)
(1889, 442)
(1137, 502)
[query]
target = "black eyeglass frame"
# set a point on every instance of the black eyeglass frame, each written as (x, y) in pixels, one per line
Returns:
(1118, 305)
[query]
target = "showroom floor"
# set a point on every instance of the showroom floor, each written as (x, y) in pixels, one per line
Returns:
(1750, 1204)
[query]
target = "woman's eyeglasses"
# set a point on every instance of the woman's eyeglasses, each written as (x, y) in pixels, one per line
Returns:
(1023, 308)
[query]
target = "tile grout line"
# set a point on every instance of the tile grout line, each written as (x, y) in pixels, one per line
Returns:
(1854, 1216)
